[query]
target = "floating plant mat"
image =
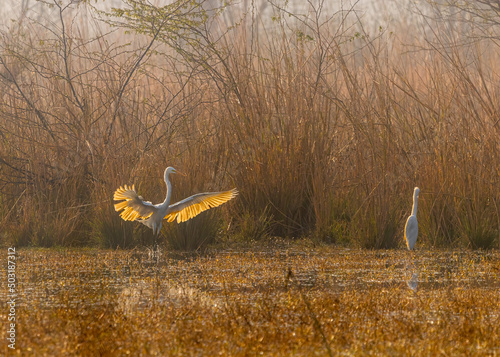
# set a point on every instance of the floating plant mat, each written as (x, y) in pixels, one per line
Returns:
(273, 300)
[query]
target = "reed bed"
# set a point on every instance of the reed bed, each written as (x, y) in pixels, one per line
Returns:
(323, 126)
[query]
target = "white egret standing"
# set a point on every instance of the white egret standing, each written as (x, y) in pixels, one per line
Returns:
(411, 227)
(135, 208)
(411, 233)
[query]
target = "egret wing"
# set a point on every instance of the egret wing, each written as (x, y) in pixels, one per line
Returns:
(133, 206)
(194, 205)
(411, 231)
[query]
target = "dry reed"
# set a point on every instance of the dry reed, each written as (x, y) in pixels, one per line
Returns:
(323, 127)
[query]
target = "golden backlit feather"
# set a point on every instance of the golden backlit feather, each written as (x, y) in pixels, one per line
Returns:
(133, 206)
(194, 205)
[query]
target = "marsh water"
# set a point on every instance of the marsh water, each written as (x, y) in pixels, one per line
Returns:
(138, 280)
(273, 300)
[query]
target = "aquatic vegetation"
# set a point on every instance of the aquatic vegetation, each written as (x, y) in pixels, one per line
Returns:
(277, 299)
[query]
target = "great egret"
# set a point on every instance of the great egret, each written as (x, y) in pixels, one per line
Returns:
(135, 208)
(411, 227)
(411, 233)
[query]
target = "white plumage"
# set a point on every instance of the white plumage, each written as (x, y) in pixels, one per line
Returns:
(411, 227)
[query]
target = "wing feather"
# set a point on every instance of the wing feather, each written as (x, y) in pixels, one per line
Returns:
(133, 206)
(411, 232)
(192, 206)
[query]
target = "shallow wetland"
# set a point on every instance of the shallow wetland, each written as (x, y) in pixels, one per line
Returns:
(280, 299)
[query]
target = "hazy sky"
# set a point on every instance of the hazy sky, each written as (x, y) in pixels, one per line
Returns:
(375, 13)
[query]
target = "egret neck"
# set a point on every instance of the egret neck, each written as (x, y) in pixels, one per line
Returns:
(165, 203)
(415, 199)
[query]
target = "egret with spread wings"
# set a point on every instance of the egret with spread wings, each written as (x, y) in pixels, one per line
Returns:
(135, 208)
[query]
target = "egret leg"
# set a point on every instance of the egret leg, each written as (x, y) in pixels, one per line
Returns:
(412, 273)
(156, 249)
(408, 268)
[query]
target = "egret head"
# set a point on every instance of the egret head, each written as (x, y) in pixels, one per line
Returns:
(169, 170)
(416, 191)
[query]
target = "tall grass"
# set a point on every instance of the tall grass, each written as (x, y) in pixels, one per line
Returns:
(324, 127)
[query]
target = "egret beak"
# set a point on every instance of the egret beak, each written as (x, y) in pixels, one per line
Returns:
(180, 173)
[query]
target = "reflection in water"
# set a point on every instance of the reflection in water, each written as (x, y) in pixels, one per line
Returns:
(154, 253)
(413, 282)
